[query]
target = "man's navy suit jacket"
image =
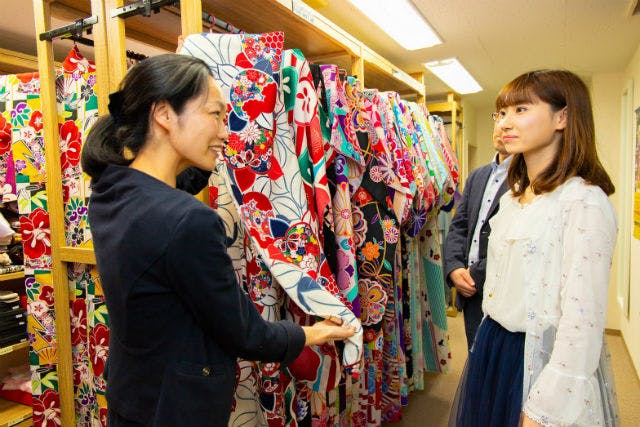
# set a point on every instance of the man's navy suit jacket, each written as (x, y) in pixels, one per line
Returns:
(458, 241)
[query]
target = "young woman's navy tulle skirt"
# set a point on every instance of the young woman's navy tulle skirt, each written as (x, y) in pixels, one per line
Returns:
(490, 389)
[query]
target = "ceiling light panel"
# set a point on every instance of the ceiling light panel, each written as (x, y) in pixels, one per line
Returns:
(454, 75)
(401, 21)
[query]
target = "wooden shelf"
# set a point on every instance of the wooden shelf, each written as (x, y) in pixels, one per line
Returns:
(14, 347)
(387, 76)
(12, 62)
(319, 39)
(14, 414)
(316, 36)
(16, 63)
(12, 276)
(452, 107)
(81, 255)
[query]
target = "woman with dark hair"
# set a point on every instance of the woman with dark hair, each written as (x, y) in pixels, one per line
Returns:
(539, 357)
(178, 317)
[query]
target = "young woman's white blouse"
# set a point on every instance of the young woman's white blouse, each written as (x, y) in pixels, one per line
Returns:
(554, 256)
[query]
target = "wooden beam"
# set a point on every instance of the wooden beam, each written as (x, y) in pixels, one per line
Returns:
(445, 107)
(191, 17)
(331, 58)
(16, 62)
(116, 45)
(323, 25)
(42, 14)
(419, 77)
(81, 255)
(101, 55)
(357, 69)
(381, 63)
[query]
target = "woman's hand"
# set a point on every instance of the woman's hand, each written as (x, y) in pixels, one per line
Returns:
(327, 330)
(528, 422)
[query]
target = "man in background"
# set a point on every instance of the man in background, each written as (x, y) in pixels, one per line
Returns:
(465, 248)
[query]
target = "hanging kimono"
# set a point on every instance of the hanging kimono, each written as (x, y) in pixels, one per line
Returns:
(77, 110)
(376, 231)
(256, 281)
(263, 394)
(443, 169)
(410, 227)
(401, 200)
(344, 160)
(22, 122)
(301, 104)
(265, 180)
(413, 273)
(300, 101)
(394, 354)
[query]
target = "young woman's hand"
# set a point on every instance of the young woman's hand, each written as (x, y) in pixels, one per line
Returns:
(327, 330)
(528, 422)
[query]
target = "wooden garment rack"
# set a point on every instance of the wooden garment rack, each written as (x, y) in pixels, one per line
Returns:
(318, 38)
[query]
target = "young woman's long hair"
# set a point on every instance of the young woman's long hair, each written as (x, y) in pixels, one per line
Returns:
(577, 155)
(116, 138)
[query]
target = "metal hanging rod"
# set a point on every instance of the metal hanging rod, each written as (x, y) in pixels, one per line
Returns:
(143, 7)
(76, 29)
(79, 39)
(219, 23)
(210, 20)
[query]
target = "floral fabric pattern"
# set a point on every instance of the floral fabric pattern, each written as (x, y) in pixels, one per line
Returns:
(329, 195)
(270, 194)
(329, 183)
(22, 119)
(344, 160)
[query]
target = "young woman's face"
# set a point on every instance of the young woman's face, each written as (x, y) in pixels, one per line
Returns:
(531, 127)
(201, 130)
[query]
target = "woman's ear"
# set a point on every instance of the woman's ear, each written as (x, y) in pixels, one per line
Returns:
(561, 119)
(162, 114)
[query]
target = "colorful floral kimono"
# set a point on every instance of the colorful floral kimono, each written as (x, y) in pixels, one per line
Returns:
(277, 207)
(344, 164)
(328, 183)
(376, 237)
(21, 142)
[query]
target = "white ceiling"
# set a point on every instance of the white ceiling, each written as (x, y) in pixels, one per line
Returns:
(496, 40)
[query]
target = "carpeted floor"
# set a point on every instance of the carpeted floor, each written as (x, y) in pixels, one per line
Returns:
(430, 407)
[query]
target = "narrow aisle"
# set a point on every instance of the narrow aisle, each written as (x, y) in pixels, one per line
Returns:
(430, 407)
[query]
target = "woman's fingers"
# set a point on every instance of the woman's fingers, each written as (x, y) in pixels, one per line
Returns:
(333, 319)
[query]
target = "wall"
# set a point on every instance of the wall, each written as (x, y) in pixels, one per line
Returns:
(469, 120)
(606, 90)
(630, 326)
(484, 136)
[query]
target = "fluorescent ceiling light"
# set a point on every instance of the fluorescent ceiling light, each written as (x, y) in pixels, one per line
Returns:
(400, 20)
(454, 75)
